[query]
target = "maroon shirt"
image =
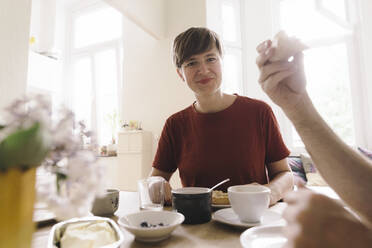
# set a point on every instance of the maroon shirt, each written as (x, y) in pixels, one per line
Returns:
(234, 143)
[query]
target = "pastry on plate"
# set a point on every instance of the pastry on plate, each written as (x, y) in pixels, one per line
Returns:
(220, 198)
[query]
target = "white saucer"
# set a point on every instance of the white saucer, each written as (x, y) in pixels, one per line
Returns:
(263, 237)
(227, 216)
(221, 206)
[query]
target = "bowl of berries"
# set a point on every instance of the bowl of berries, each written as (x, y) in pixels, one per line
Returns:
(151, 226)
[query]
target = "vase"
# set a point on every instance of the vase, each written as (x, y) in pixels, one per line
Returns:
(17, 197)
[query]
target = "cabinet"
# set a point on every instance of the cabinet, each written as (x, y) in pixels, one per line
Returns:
(134, 154)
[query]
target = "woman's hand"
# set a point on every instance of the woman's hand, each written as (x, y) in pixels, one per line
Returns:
(284, 82)
(315, 220)
(155, 192)
(167, 194)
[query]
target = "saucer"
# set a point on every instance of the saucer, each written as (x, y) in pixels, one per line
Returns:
(221, 206)
(263, 237)
(227, 216)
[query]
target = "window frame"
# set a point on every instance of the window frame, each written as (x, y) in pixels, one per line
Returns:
(74, 54)
(356, 84)
(357, 46)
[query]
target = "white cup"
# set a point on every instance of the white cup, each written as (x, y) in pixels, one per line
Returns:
(249, 202)
(151, 193)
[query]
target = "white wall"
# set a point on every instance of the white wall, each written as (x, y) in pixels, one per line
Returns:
(152, 90)
(14, 26)
(148, 15)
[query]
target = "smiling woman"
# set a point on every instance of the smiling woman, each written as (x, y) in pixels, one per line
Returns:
(220, 135)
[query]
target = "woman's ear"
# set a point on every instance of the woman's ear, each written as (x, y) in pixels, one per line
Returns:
(180, 74)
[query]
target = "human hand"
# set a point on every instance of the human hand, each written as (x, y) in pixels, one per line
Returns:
(156, 190)
(315, 220)
(284, 82)
(167, 193)
(273, 196)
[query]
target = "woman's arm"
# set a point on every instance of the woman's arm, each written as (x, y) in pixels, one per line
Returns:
(345, 170)
(281, 180)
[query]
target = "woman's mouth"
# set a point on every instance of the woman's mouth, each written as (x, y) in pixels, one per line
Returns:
(204, 80)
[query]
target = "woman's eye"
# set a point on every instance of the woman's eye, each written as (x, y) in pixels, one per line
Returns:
(191, 64)
(211, 59)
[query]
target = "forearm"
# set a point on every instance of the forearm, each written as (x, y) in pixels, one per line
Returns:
(345, 170)
(280, 185)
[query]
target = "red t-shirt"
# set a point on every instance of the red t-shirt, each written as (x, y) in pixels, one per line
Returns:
(234, 143)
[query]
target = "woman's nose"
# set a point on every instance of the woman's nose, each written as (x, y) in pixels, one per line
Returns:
(203, 68)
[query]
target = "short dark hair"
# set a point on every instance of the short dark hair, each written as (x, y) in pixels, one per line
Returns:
(194, 41)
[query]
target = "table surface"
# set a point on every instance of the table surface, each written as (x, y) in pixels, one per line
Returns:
(211, 234)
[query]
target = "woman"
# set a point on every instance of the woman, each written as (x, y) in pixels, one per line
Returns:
(220, 135)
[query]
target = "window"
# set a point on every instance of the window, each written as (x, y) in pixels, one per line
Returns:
(96, 43)
(230, 35)
(333, 65)
(324, 25)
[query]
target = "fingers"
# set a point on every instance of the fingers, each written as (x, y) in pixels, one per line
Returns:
(270, 69)
(167, 193)
(263, 46)
(264, 57)
(298, 196)
(273, 81)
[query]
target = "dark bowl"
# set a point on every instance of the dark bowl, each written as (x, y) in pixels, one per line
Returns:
(194, 203)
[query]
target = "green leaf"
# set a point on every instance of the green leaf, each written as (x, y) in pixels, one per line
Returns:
(24, 148)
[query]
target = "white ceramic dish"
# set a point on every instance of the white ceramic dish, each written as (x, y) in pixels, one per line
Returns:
(263, 237)
(221, 206)
(170, 220)
(227, 216)
(59, 228)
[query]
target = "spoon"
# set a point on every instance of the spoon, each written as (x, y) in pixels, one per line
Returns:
(218, 184)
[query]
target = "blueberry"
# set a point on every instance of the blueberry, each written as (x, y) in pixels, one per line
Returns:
(144, 224)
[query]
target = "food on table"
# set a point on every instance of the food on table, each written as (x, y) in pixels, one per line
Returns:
(220, 198)
(147, 225)
(285, 47)
(88, 234)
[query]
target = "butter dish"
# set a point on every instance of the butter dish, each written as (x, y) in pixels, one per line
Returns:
(58, 231)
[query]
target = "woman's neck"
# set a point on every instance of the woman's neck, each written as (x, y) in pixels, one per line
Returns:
(213, 103)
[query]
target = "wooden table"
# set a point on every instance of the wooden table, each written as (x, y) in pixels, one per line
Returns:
(211, 234)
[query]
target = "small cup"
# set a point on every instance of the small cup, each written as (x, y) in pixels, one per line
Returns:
(107, 204)
(194, 203)
(151, 193)
(249, 202)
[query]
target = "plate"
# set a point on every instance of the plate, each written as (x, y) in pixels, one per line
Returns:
(263, 237)
(227, 216)
(221, 206)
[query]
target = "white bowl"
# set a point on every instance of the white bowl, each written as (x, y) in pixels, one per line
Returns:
(170, 220)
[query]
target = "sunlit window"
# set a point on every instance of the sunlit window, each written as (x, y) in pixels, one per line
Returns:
(82, 90)
(232, 66)
(323, 26)
(232, 72)
(228, 22)
(97, 26)
(96, 69)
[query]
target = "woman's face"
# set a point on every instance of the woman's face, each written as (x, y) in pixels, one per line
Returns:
(203, 72)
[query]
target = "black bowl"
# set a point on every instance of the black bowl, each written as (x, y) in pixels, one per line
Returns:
(194, 203)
